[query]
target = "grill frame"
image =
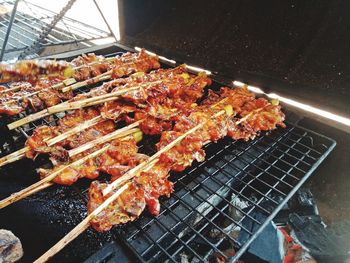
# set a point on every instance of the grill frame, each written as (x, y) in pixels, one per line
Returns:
(243, 146)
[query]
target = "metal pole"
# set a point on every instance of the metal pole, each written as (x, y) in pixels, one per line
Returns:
(13, 14)
(105, 20)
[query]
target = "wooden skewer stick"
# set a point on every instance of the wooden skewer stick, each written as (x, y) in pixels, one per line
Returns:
(81, 227)
(12, 157)
(17, 155)
(67, 105)
(130, 129)
(76, 85)
(104, 76)
(24, 192)
(76, 129)
(16, 88)
(98, 99)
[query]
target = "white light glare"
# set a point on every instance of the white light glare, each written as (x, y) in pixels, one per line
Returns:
(255, 90)
(306, 107)
(238, 83)
(138, 49)
(251, 88)
(197, 69)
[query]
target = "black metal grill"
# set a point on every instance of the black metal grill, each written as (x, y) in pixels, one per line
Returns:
(200, 218)
(226, 201)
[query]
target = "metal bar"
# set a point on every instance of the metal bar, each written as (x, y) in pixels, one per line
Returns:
(105, 20)
(13, 14)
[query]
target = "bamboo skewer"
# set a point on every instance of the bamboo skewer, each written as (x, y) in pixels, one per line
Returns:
(12, 157)
(79, 128)
(98, 99)
(113, 135)
(67, 105)
(17, 155)
(25, 192)
(73, 85)
(83, 225)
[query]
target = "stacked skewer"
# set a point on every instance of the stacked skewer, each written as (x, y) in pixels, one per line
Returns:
(164, 102)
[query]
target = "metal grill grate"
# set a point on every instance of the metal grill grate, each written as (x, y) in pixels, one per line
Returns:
(203, 217)
(225, 202)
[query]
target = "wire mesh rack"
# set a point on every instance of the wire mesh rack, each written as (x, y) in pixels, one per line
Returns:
(220, 206)
(223, 204)
(29, 24)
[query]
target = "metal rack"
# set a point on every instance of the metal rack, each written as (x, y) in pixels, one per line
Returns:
(202, 218)
(226, 202)
(31, 32)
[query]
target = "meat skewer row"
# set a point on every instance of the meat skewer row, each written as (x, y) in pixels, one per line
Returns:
(107, 92)
(138, 188)
(72, 175)
(240, 95)
(237, 97)
(80, 68)
(52, 90)
(183, 83)
(88, 164)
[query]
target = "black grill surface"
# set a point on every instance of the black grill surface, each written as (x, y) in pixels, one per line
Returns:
(218, 206)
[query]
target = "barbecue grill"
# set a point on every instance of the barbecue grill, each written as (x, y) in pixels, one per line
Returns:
(219, 207)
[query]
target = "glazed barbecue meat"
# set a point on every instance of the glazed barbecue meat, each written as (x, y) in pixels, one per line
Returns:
(142, 192)
(14, 102)
(120, 156)
(30, 70)
(146, 188)
(157, 117)
(58, 152)
(128, 206)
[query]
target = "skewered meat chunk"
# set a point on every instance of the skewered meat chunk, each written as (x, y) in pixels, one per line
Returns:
(29, 70)
(143, 191)
(122, 152)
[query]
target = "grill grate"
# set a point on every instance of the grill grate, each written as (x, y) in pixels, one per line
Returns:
(225, 202)
(202, 218)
